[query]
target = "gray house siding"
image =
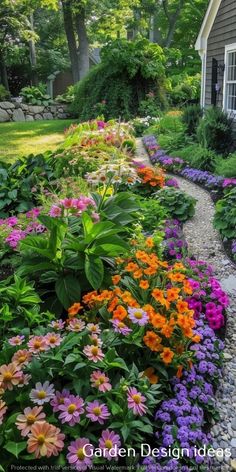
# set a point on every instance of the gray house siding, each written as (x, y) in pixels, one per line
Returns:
(222, 33)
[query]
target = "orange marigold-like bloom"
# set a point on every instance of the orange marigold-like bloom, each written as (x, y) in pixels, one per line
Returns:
(167, 355)
(158, 295)
(150, 374)
(74, 309)
(131, 267)
(197, 338)
(157, 320)
(138, 274)
(173, 294)
(150, 271)
(167, 330)
(153, 341)
(182, 306)
(116, 279)
(144, 284)
(179, 372)
(187, 287)
(120, 313)
(113, 304)
(176, 277)
(149, 242)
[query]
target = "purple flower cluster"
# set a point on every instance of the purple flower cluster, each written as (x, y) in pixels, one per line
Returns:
(16, 231)
(234, 248)
(181, 419)
(210, 181)
(172, 183)
(175, 245)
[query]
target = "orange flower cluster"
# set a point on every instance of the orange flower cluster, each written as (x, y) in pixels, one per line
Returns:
(152, 176)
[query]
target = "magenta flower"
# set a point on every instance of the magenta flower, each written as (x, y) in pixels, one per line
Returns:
(97, 412)
(59, 399)
(100, 381)
(110, 440)
(80, 453)
(120, 327)
(138, 316)
(16, 340)
(55, 211)
(71, 410)
(42, 393)
(136, 401)
(93, 353)
(76, 325)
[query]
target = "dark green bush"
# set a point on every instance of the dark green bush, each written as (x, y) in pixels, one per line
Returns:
(215, 131)
(191, 117)
(176, 203)
(152, 214)
(127, 73)
(225, 215)
(4, 94)
(185, 89)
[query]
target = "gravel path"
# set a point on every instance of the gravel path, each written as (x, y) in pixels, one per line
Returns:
(205, 244)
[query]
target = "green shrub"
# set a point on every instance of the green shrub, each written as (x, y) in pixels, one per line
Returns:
(116, 87)
(226, 167)
(185, 89)
(215, 131)
(173, 141)
(176, 203)
(3, 93)
(152, 214)
(225, 215)
(191, 117)
(66, 97)
(36, 95)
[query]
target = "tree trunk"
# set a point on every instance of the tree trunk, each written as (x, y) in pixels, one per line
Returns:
(3, 71)
(33, 58)
(71, 39)
(172, 19)
(83, 43)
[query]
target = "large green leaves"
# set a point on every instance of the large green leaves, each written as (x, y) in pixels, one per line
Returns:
(94, 270)
(68, 290)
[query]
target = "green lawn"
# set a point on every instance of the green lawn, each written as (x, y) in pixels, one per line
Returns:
(21, 139)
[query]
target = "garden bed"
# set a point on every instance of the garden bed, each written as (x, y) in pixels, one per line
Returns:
(111, 331)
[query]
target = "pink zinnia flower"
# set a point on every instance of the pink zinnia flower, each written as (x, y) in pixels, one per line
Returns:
(37, 344)
(24, 380)
(138, 316)
(22, 357)
(16, 340)
(136, 401)
(58, 325)
(55, 211)
(45, 440)
(120, 327)
(59, 399)
(97, 412)
(42, 393)
(53, 339)
(109, 440)
(95, 340)
(93, 353)
(3, 409)
(10, 375)
(25, 422)
(94, 328)
(71, 410)
(100, 381)
(76, 325)
(79, 451)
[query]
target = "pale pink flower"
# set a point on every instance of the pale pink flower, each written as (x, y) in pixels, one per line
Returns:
(24, 422)
(16, 340)
(22, 357)
(42, 393)
(136, 401)
(10, 375)
(94, 328)
(45, 440)
(93, 353)
(3, 409)
(53, 339)
(57, 325)
(24, 380)
(76, 325)
(100, 381)
(38, 344)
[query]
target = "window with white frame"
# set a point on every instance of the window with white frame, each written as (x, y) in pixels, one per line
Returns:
(230, 80)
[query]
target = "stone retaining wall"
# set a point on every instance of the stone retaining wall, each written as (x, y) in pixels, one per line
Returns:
(14, 111)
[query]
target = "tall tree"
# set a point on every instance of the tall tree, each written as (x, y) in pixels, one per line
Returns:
(71, 37)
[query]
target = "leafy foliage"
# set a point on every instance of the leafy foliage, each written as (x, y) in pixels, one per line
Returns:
(128, 71)
(191, 117)
(177, 204)
(4, 94)
(215, 131)
(225, 215)
(36, 95)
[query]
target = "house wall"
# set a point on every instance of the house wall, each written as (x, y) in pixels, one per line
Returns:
(222, 33)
